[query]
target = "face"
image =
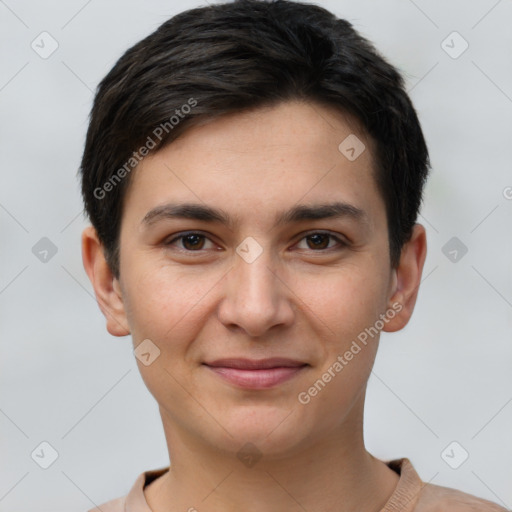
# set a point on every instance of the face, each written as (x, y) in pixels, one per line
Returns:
(256, 295)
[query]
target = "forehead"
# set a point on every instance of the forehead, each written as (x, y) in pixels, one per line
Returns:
(260, 160)
(291, 126)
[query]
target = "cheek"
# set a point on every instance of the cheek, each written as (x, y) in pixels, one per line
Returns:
(167, 308)
(345, 301)
(161, 299)
(348, 307)
(345, 306)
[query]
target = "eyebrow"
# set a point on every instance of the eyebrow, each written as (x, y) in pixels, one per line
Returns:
(303, 212)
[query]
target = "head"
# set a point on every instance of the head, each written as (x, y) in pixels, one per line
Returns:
(253, 173)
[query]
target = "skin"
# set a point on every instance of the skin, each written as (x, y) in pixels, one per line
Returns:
(299, 299)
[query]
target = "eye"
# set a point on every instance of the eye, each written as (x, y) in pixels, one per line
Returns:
(194, 241)
(191, 241)
(319, 241)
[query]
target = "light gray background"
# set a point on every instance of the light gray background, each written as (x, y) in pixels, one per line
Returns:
(446, 377)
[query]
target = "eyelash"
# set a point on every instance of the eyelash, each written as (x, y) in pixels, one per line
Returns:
(341, 243)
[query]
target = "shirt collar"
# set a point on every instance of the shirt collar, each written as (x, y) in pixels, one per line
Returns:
(403, 498)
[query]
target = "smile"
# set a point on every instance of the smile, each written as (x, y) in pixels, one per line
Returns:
(252, 374)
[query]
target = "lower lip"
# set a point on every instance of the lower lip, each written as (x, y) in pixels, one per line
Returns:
(257, 379)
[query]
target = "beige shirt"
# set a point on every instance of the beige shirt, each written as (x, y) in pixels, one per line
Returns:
(410, 495)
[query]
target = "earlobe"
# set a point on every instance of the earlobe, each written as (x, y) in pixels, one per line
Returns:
(106, 286)
(407, 279)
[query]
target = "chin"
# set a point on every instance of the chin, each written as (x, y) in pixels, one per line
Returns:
(272, 430)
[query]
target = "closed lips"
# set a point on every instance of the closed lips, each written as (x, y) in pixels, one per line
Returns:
(251, 364)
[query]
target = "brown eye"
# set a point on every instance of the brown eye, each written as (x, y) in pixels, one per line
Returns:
(191, 242)
(320, 241)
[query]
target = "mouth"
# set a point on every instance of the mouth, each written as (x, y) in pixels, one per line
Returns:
(256, 374)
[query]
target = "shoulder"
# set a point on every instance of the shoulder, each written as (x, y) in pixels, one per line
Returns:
(414, 495)
(135, 500)
(117, 505)
(435, 498)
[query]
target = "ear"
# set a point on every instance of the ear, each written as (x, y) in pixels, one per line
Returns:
(407, 279)
(106, 286)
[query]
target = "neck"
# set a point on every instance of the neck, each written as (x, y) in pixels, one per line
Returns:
(333, 474)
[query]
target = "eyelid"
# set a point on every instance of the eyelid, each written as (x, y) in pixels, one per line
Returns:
(342, 242)
(178, 236)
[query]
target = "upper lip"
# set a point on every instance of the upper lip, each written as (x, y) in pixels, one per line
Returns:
(256, 364)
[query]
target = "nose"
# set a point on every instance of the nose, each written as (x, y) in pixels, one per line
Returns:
(256, 297)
